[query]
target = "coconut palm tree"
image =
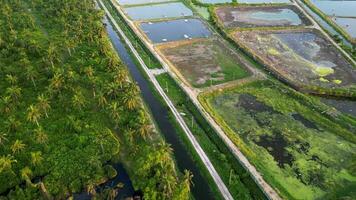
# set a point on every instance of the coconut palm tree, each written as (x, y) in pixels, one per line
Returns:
(14, 92)
(102, 100)
(145, 127)
(188, 179)
(40, 135)
(131, 97)
(6, 162)
(89, 72)
(168, 184)
(112, 193)
(26, 173)
(52, 54)
(120, 76)
(78, 100)
(3, 138)
(91, 189)
(12, 80)
(43, 104)
(33, 114)
(17, 146)
(57, 81)
(12, 124)
(112, 89)
(165, 153)
(36, 157)
(6, 103)
(31, 74)
(115, 110)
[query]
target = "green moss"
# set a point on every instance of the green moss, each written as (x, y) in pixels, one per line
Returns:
(324, 71)
(330, 141)
(337, 81)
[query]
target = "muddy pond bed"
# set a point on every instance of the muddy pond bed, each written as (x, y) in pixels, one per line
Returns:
(173, 30)
(261, 16)
(304, 58)
(158, 11)
(298, 150)
(204, 62)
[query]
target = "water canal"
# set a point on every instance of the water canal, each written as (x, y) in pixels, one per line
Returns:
(201, 188)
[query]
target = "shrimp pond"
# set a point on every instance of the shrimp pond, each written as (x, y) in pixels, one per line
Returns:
(302, 57)
(205, 62)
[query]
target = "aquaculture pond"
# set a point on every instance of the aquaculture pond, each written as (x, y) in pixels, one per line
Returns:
(336, 8)
(215, 1)
(158, 11)
(341, 12)
(173, 30)
(260, 16)
(348, 24)
(301, 152)
(137, 2)
(325, 25)
(304, 58)
(204, 62)
(263, 1)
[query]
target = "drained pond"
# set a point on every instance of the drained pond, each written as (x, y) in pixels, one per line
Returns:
(173, 30)
(205, 62)
(158, 11)
(303, 57)
(261, 16)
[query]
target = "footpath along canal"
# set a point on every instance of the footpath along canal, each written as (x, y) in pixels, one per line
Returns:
(200, 188)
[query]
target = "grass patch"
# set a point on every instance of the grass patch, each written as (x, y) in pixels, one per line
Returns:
(238, 181)
(302, 153)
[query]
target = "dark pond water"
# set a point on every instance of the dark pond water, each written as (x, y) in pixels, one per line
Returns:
(250, 103)
(307, 123)
(174, 30)
(200, 188)
(344, 106)
(122, 177)
(276, 145)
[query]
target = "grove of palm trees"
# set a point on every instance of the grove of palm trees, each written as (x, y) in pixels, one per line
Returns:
(69, 109)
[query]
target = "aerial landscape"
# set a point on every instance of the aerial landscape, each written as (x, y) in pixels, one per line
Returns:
(178, 99)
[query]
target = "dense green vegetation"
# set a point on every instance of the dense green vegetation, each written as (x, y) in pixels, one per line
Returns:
(68, 108)
(140, 47)
(233, 174)
(301, 146)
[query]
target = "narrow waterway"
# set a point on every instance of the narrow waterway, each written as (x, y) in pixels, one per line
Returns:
(200, 188)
